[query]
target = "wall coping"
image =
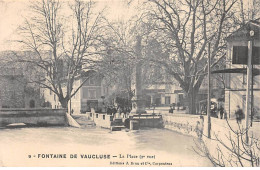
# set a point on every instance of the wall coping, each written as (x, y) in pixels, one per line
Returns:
(28, 109)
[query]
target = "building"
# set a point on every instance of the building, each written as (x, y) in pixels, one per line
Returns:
(90, 94)
(161, 89)
(12, 92)
(236, 73)
(15, 91)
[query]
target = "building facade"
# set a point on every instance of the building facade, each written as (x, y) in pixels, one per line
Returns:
(88, 96)
(236, 74)
(15, 91)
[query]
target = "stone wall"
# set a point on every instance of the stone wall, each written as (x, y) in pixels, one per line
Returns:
(196, 125)
(186, 124)
(43, 117)
(11, 91)
(224, 141)
(222, 135)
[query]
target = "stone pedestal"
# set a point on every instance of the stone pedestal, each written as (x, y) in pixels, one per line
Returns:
(138, 105)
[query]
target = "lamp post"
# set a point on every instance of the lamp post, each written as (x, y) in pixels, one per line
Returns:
(69, 90)
(209, 97)
(249, 72)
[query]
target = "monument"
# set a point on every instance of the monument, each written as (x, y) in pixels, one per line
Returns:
(138, 102)
(138, 117)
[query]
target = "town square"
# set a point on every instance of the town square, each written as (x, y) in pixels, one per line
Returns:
(130, 83)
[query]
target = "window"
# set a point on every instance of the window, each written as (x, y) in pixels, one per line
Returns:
(85, 93)
(96, 115)
(181, 99)
(92, 94)
(54, 97)
(104, 117)
(244, 78)
(32, 104)
(91, 81)
(167, 100)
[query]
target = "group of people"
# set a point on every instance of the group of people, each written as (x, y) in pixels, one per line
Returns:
(217, 112)
(112, 110)
(222, 114)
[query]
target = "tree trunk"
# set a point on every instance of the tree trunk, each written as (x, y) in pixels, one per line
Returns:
(191, 101)
(64, 103)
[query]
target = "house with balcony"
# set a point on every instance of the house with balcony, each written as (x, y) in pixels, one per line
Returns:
(236, 69)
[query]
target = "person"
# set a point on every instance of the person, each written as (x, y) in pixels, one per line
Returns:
(120, 111)
(171, 109)
(239, 114)
(109, 110)
(203, 109)
(213, 112)
(114, 110)
(221, 111)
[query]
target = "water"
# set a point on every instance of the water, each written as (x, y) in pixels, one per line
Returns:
(156, 145)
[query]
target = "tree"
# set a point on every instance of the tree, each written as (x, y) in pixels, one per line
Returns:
(117, 59)
(62, 37)
(120, 54)
(185, 28)
(249, 10)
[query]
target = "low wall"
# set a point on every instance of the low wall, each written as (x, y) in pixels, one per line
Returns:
(147, 120)
(227, 136)
(196, 125)
(223, 136)
(222, 127)
(33, 116)
(101, 119)
(186, 124)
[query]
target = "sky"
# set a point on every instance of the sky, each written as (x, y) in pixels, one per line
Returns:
(13, 12)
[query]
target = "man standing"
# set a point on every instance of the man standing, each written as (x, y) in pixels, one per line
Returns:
(239, 114)
(221, 111)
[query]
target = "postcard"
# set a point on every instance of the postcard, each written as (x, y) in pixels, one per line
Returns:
(129, 83)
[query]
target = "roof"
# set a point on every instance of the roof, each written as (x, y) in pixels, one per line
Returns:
(243, 32)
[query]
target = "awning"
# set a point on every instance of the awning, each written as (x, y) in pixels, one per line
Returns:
(237, 70)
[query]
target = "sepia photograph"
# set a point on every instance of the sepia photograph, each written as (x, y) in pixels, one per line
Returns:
(130, 83)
